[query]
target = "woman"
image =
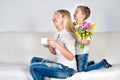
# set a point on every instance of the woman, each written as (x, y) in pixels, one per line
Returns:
(63, 46)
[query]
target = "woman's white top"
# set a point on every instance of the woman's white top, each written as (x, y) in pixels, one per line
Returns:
(66, 39)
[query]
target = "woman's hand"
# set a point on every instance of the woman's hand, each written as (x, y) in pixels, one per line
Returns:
(52, 42)
(51, 45)
(46, 46)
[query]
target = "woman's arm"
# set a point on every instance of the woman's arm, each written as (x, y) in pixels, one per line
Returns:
(51, 49)
(64, 51)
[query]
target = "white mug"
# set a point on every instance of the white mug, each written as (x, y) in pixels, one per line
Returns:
(44, 41)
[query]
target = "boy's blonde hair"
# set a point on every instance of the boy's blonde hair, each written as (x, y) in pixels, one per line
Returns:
(67, 19)
(85, 10)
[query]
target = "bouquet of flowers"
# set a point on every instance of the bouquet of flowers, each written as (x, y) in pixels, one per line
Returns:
(84, 30)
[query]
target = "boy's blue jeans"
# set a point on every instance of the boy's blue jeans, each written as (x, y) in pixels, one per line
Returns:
(82, 62)
(41, 68)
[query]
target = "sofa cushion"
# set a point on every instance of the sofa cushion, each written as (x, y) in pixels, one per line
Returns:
(112, 73)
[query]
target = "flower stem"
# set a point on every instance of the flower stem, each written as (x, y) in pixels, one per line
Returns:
(81, 46)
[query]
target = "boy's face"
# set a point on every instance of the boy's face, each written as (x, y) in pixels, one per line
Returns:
(78, 15)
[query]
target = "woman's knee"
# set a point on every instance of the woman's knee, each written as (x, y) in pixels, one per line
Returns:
(31, 68)
(33, 59)
(36, 59)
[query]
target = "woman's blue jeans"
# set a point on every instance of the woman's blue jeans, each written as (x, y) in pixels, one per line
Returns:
(82, 62)
(41, 68)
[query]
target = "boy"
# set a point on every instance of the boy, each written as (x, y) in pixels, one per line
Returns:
(81, 14)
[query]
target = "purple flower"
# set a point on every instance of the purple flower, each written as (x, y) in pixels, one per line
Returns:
(86, 25)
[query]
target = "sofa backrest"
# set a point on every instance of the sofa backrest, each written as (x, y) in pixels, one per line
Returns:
(20, 47)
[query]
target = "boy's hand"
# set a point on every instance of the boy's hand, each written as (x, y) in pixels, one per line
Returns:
(86, 42)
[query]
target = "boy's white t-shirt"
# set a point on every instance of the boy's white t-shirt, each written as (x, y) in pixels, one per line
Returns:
(67, 40)
(77, 48)
(86, 47)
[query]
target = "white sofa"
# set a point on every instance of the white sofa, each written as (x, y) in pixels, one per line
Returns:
(17, 49)
(101, 74)
(14, 72)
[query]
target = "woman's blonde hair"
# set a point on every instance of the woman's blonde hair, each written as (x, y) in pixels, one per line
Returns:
(67, 19)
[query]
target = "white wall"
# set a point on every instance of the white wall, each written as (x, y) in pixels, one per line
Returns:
(35, 15)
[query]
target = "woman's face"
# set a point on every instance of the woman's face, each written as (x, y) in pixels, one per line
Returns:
(57, 18)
